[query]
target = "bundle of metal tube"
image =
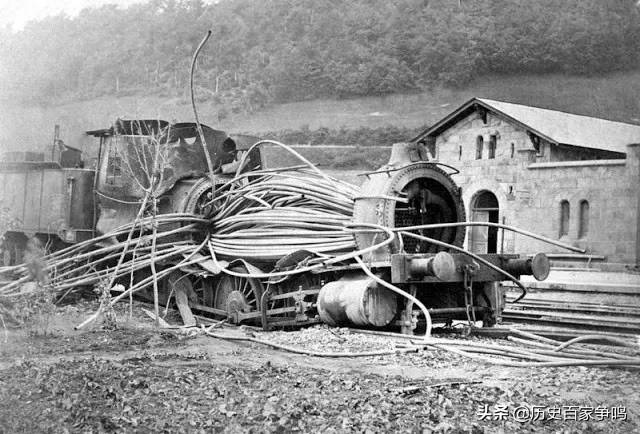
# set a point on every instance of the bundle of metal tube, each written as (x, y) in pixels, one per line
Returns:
(274, 213)
(93, 261)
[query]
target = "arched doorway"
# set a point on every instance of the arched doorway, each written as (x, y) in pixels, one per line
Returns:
(484, 208)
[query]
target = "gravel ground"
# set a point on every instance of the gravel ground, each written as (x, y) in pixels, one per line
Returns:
(137, 379)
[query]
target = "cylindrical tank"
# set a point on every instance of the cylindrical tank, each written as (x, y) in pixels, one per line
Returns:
(356, 300)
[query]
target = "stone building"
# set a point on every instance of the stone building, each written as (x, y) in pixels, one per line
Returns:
(568, 177)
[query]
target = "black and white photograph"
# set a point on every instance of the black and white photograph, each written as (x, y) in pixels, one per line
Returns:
(320, 216)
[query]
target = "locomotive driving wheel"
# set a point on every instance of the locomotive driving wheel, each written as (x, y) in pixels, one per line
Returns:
(239, 296)
(198, 199)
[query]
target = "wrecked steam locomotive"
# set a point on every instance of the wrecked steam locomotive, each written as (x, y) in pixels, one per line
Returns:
(416, 199)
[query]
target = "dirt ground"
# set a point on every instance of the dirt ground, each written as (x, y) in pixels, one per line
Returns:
(140, 379)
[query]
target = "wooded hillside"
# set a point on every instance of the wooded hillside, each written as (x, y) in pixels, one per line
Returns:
(287, 50)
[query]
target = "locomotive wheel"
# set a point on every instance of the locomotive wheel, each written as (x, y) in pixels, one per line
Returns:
(238, 295)
(198, 201)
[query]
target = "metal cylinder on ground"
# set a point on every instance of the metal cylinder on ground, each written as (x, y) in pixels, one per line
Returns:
(356, 300)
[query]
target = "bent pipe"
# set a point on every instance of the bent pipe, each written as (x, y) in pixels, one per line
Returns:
(495, 225)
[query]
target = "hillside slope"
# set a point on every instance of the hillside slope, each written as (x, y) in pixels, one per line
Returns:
(613, 97)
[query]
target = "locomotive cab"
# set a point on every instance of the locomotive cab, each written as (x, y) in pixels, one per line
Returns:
(138, 155)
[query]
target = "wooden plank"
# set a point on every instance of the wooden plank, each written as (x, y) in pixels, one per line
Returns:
(573, 303)
(580, 297)
(573, 316)
(578, 319)
(604, 288)
(595, 327)
(182, 300)
(578, 307)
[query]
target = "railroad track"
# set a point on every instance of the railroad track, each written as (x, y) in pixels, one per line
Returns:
(579, 315)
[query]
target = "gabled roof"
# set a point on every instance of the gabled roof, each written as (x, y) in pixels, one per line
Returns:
(554, 126)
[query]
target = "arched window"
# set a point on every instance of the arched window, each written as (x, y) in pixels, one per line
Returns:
(565, 213)
(583, 229)
(479, 145)
(493, 143)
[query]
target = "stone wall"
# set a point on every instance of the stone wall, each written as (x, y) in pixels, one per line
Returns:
(611, 196)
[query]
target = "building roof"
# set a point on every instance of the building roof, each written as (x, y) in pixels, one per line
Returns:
(554, 126)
